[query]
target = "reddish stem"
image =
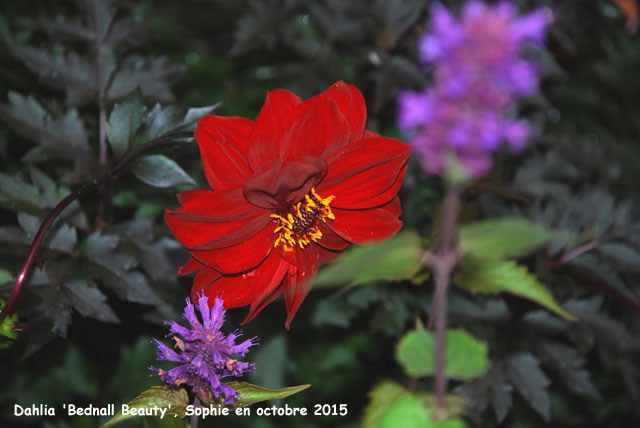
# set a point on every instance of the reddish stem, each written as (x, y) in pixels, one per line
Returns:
(575, 253)
(55, 212)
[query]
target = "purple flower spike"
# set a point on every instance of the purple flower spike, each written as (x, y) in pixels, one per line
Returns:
(479, 72)
(205, 352)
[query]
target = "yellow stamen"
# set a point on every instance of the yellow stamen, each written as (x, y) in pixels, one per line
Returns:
(299, 226)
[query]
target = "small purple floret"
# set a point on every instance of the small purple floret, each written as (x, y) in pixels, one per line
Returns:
(479, 72)
(203, 352)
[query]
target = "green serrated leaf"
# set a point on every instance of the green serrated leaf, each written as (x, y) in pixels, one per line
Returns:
(465, 357)
(381, 397)
(407, 411)
(158, 396)
(500, 238)
(125, 119)
(251, 394)
(392, 260)
(160, 171)
(509, 277)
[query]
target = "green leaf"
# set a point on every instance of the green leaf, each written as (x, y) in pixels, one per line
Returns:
(500, 238)
(465, 357)
(124, 121)
(6, 326)
(17, 195)
(160, 171)
(407, 412)
(78, 372)
(5, 276)
(272, 358)
(415, 353)
(251, 394)
(396, 259)
(127, 378)
(333, 312)
(509, 277)
(156, 422)
(451, 423)
(158, 396)
(381, 397)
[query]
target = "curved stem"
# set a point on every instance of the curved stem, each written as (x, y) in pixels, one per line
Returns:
(55, 212)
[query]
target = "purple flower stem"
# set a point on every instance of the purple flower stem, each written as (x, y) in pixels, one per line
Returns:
(194, 417)
(85, 189)
(442, 263)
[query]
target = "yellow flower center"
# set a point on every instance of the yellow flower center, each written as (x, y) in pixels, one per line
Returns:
(299, 226)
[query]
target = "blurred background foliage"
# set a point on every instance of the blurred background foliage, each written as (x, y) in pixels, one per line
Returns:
(105, 279)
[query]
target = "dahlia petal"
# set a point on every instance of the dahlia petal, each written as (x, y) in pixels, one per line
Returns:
(191, 266)
(242, 290)
(297, 285)
(364, 172)
(189, 195)
(266, 134)
(271, 291)
(208, 206)
(283, 181)
(204, 278)
(216, 220)
(223, 143)
(367, 226)
(327, 256)
(351, 103)
(315, 128)
(370, 134)
(241, 257)
(330, 240)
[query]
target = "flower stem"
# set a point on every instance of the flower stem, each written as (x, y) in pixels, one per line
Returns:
(442, 264)
(55, 212)
(194, 417)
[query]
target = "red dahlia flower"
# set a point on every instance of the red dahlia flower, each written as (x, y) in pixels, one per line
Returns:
(291, 191)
